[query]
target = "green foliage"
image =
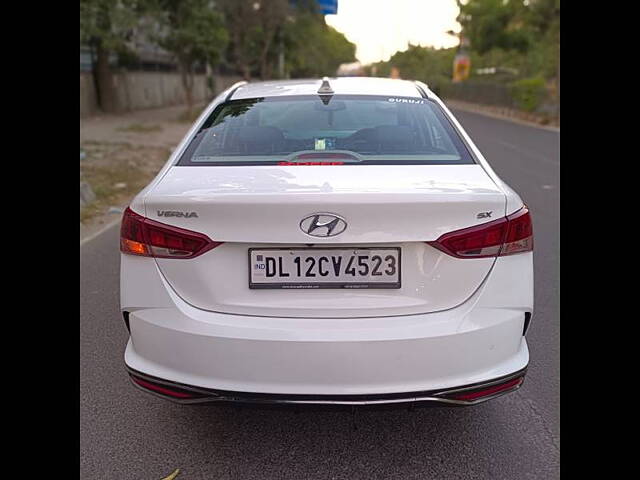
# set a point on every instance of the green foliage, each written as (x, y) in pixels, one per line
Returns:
(247, 34)
(430, 65)
(528, 93)
(544, 18)
(191, 30)
(108, 22)
(492, 24)
(524, 36)
(519, 34)
(313, 48)
(254, 27)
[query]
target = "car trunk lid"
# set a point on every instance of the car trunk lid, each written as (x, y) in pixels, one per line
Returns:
(400, 206)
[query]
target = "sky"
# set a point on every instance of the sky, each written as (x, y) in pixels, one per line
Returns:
(379, 28)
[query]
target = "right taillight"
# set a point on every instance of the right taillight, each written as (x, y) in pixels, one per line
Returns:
(505, 236)
(519, 233)
(146, 237)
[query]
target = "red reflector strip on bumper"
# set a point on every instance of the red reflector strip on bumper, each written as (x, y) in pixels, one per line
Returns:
(485, 392)
(162, 390)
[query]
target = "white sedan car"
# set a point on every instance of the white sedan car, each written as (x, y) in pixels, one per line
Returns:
(336, 241)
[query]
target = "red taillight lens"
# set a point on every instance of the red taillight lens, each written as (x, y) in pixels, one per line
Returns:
(485, 392)
(143, 236)
(161, 389)
(506, 236)
(520, 233)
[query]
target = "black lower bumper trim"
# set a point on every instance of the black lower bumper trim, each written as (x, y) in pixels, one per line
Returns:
(467, 394)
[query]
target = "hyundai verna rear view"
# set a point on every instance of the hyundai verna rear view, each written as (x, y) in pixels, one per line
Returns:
(336, 241)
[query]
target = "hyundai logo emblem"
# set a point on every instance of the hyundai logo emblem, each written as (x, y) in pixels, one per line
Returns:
(323, 225)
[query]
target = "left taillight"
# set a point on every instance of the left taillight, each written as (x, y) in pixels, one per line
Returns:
(146, 237)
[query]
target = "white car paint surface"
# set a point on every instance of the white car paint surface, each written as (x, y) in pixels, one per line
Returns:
(395, 312)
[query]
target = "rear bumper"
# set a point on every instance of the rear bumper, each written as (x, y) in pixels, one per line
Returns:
(461, 396)
(409, 358)
(328, 357)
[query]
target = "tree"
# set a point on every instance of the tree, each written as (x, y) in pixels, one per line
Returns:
(544, 20)
(106, 25)
(524, 34)
(240, 20)
(193, 32)
(315, 49)
(253, 26)
(259, 29)
(430, 65)
(494, 24)
(272, 16)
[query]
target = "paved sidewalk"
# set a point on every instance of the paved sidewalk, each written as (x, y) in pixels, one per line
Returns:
(158, 127)
(126, 149)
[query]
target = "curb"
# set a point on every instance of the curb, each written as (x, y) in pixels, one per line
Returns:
(480, 111)
(99, 232)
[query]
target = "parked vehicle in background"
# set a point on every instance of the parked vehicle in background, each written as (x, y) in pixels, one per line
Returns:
(354, 69)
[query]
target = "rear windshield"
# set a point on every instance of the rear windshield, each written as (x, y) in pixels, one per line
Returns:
(343, 129)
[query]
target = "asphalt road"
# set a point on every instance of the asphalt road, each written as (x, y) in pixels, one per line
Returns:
(125, 434)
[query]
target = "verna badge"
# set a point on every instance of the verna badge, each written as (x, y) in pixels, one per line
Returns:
(323, 225)
(168, 213)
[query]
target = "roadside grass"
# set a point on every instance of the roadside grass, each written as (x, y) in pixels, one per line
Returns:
(140, 128)
(116, 173)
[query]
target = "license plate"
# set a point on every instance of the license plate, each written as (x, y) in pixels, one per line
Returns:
(324, 268)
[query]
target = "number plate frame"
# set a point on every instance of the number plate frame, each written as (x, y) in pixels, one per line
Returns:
(324, 285)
